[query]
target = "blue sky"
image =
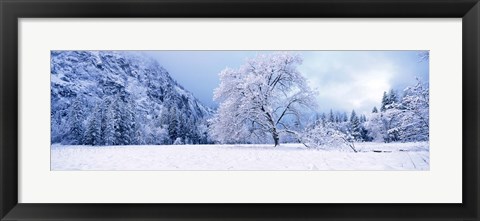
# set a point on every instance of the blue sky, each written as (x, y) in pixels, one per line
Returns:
(344, 80)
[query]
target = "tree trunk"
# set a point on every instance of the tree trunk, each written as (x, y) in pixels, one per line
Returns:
(275, 136)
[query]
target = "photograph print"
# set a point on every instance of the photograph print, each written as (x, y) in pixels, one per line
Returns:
(239, 110)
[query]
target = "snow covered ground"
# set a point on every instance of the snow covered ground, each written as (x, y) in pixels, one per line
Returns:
(371, 156)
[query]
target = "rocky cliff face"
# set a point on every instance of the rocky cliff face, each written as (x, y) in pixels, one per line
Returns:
(158, 107)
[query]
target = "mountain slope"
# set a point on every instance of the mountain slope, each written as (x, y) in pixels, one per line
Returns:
(95, 88)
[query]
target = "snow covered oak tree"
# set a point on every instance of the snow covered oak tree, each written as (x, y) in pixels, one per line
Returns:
(260, 99)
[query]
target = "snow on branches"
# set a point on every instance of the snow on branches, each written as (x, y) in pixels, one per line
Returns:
(260, 99)
(327, 135)
(405, 120)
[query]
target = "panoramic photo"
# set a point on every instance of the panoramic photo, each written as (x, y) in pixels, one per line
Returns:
(239, 110)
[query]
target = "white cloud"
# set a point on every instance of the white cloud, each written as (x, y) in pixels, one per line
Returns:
(348, 81)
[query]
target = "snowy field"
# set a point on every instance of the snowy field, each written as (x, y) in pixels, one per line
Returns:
(371, 156)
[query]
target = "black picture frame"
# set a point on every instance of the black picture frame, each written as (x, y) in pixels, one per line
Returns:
(12, 10)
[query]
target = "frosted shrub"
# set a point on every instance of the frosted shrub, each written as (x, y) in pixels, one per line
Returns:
(327, 136)
(178, 141)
